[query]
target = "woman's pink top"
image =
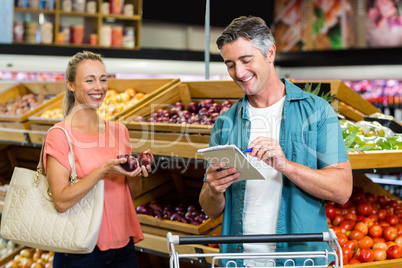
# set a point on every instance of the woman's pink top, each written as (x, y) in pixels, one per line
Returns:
(119, 221)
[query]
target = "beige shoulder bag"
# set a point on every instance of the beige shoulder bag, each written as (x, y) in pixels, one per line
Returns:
(31, 219)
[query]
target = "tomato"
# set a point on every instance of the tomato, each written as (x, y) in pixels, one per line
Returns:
(398, 241)
(345, 257)
(364, 208)
(389, 210)
(382, 200)
(330, 203)
(375, 231)
(370, 197)
(342, 239)
(392, 203)
(399, 228)
(347, 225)
(392, 219)
(337, 220)
(389, 233)
(394, 252)
(390, 243)
(367, 221)
(352, 244)
(379, 254)
(356, 235)
(373, 217)
(344, 211)
(350, 216)
(360, 226)
(348, 252)
(346, 205)
(354, 261)
(365, 242)
(365, 255)
(379, 240)
(383, 223)
(330, 211)
(336, 230)
(381, 214)
(381, 245)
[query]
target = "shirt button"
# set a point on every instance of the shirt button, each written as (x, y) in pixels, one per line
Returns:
(247, 125)
(241, 198)
(239, 248)
(244, 148)
(239, 223)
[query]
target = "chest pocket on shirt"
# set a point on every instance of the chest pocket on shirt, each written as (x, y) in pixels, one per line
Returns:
(304, 148)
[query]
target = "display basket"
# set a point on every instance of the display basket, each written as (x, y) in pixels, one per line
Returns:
(163, 188)
(52, 91)
(150, 87)
(184, 92)
(269, 258)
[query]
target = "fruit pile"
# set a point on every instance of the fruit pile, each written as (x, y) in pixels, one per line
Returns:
(369, 136)
(21, 104)
(368, 227)
(115, 102)
(32, 258)
(204, 112)
(180, 212)
(52, 114)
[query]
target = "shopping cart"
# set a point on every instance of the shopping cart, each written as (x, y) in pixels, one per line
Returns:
(289, 257)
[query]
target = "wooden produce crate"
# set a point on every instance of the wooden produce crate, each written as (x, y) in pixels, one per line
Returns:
(347, 102)
(53, 92)
(375, 159)
(168, 186)
(151, 87)
(10, 257)
(183, 92)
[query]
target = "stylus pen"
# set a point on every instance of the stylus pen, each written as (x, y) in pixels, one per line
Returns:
(248, 150)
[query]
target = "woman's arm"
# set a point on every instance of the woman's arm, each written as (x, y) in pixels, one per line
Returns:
(65, 195)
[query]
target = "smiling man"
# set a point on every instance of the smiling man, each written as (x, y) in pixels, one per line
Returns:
(296, 143)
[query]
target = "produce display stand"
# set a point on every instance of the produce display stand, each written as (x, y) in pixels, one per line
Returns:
(181, 142)
(170, 186)
(178, 139)
(151, 87)
(12, 127)
(9, 257)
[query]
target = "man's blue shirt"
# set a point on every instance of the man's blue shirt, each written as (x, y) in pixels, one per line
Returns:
(310, 134)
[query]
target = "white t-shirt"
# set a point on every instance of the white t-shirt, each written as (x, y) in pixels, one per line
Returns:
(262, 198)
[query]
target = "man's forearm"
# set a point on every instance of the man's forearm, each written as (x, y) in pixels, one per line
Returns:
(213, 204)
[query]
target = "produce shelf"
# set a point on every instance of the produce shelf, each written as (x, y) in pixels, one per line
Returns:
(375, 159)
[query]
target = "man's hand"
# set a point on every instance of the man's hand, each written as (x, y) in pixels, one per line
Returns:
(220, 178)
(269, 151)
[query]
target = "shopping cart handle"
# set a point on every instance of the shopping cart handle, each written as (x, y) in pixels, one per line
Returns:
(230, 239)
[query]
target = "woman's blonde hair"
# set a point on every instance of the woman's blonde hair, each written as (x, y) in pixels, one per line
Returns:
(71, 72)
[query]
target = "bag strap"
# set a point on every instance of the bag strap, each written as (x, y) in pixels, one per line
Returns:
(71, 159)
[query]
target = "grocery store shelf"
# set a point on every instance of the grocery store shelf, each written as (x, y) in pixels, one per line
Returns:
(143, 53)
(376, 159)
(345, 57)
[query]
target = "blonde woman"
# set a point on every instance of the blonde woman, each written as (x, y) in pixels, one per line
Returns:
(96, 144)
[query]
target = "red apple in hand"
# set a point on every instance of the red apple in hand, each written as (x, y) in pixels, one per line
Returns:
(131, 163)
(145, 158)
